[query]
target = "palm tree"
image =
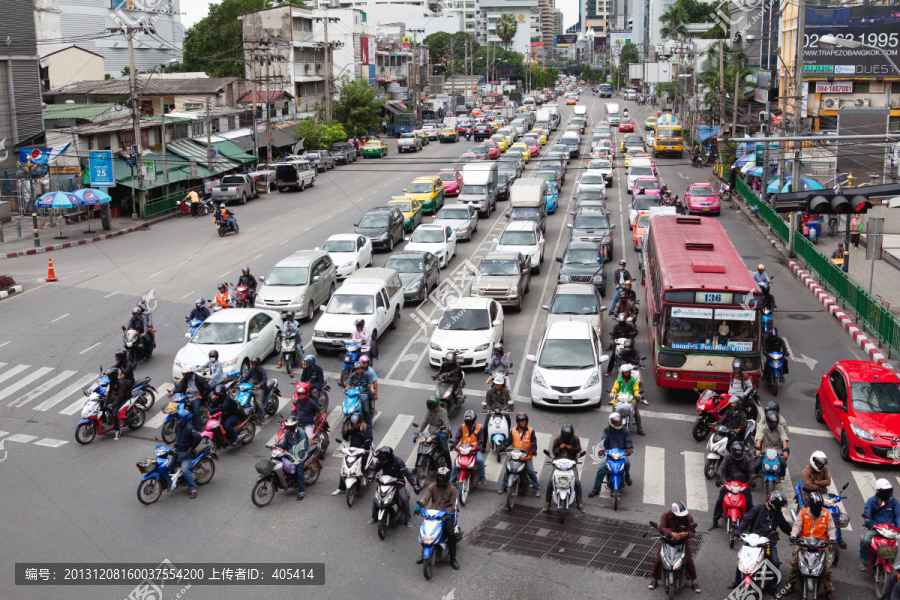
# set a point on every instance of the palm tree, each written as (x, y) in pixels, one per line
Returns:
(674, 20)
(506, 28)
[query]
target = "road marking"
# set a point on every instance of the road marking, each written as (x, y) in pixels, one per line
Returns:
(20, 437)
(654, 475)
(24, 382)
(191, 293)
(259, 256)
(800, 357)
(158, 273)
(865, 481)
(396, 431)
(156, 421)
(223, 275)
(3, 344)
(2, 433)
(60, 318)
(113, 294)
(75, 407)
(89, 348)
(695, 481)
(75, 387)
(585, 445)
(41, 389)
(50, 443)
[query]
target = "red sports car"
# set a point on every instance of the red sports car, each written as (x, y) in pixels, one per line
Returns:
(626, 125)
(859, 400)
(452, 182)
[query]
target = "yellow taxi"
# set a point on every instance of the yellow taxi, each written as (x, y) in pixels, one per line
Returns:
(448, 134)
(428, 190)
(374, 148)
(542, 134)
(502, 141)
(650, 124)
(411, 209)
(520, 148)
(494, 125)
(631, 153)
(422, 136)
(631, 140)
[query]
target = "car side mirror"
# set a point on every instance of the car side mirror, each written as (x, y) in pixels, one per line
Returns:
(187, 334)
(497, 322)
(656, 320)
(838, 404)
(612, 225)
(435, 321)
(317, 278)
(322, 307)
(254, 336)
(531, 358)
(570, 226)
(559, 259)
(604, 358)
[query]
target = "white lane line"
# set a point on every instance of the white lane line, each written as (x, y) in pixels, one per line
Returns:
(60, 318)
(2, 433)
(156, 421)
(50, 443)
(75, 387)
(113, 294)
(43, 388)
(259, 256)
(654, 475)
(14, 371)
(224, 275)
(25, 381)
(249, 230)
(75, 407)
(284, 242)
(695, 481)
(89, 348)
(158, 273)
(396, 431)
(585, 445)
(20, 437)
(3, 344)
(191, 293)
(544, 441)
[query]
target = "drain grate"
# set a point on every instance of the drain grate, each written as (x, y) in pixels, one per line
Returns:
(598, 543)
(798, 316)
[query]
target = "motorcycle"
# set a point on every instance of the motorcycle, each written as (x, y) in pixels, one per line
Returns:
(811, 560)
(272, 476)
(711, 407)
(320, 399)
(734, 506)
(830, 502)
(156, 478)
(616, 359)
(193, 326)
(767, 317)
(563, 481)
(94, 420)
(270, 402)
(354, 467)
(178, 402)
(771, 470)
(774, 365)
(143, 394)
(388, 502)
(624, 405)
(696, 160)
(290, 349)
(498, 428)
(725, 192)
(350, 357)
(719, 446)
(671, 558)
(445, 391)
(224, 228)
(242, 297)
(215, 432)
(352, 403)
(615, 473)
(430, 455)
(882, 553)
(754, 561)
(467, 475)
(434, 539)
(515, 467)
(136, 345)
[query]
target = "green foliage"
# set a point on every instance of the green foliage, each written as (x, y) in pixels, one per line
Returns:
(735, 66)
(319, 138)
(507, 27)
(440, 45)
(499, 56)
(628, 55)
(357, 108)
(674, 22)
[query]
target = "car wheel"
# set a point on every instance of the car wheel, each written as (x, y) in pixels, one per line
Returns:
(302, 185)
(819, 416)
(391, 243)
(845, 447)
(310, 313)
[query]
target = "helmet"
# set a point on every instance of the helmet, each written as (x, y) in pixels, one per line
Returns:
(883, 490)
(183, 415)
(772, 419)
(621, 317)
(185, 371)
(629, 343)
(443, 477)
(213, 354)
(773, 406)
(289, 315)
(220, 390)
(450, 357)
(384, 454)
(356, 419)
(626, 368)
(255, 359)
(359, 323)
(120, 353)
(469, 418)
(432, 402)
(628, 283)
(521, 417)
(773, 332)
(815, 502)
(222, 205)
(200, 302)
(358, 365)
(737, 364)
(776, 500)
(365, 360)
(818, 460)
(291, 422)
(141, 304)
(615, 420)
(498, 379)
(679, 509)
(567, 432)
(737, 450)
(246, 270)
(135, 311)
(498, 346)
(310, 360)
(760, 267)
(223, 286)
(112, 373)
(621, 263)
(302, 390)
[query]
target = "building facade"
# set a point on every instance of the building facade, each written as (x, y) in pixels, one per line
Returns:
(524, 13)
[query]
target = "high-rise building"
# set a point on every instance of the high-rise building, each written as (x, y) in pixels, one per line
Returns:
(525, 12)
(557, 22)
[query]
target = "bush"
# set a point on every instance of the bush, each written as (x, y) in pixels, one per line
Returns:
(6, 282)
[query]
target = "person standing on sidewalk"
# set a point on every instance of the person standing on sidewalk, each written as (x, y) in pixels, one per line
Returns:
(855, 230)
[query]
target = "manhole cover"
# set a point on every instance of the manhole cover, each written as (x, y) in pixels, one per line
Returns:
(810, 392)
(586, 541)
(798, 316)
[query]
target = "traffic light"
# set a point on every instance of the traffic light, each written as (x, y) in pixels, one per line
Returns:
(827, 202)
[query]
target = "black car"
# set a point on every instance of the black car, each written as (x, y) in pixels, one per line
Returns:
(482, 132)
(419, 273)
(554, 164)
(321, 160)
(503, 186)
(509, 167)
(582, 262)
(383, 225)
(591, 224)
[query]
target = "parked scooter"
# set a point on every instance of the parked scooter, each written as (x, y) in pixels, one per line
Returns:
(497, 429)
(734, 506)
(882, 553)
(94, 421)
(157, 478)
(433, 538)
(354, 467)
(830, 502)
(563, 482)
(351, 355)
(775, 368)
(272, 476)
(445, 391)
(754, 561)
(671, 555)
(811, 561)
(430, 455)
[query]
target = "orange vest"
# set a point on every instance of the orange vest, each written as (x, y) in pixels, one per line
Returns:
(470, 438)
(223, 300)
(812, 527)
(522, 441)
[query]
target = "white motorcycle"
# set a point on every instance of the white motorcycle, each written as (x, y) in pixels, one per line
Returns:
(756, 570)
(563, 480)
(353, 470)
(624, 405)
(717, 448)
(497, 429)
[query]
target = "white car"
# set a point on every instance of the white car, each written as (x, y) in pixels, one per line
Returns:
(602, 166)
(462, 218)
(638, 170)
(440, 240)
(349, 252)
(238, 334)
(470, 327)
(567, 367)
(524, 237)
(431, 131)
(590, 181)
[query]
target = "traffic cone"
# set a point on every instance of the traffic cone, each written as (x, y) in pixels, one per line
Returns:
(51, 276)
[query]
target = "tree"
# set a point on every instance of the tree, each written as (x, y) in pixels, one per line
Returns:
(319, 138)
(445, 49)
(708, 79)
(628, 55)
(358, 109)
(674, 22)
(506, 27)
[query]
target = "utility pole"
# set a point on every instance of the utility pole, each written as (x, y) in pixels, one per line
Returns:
(466, 71)
(721, 83)
(694, 104)
(329, 75)
(268, 105)
(208, 139)
(798, 121)
(737, 82)
(417, 107)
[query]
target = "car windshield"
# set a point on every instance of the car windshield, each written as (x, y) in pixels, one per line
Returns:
(465, 319)
(581, 257)
(454, 213)
(550, 164)
(498, 267)
(567, 354)
(701, 192)
(517, 238)
(647, 184)
(428, 236)
(524, 213)
(645, 203)
(474, 189)
(478, 150)
(374, 221)
(600, 164)
(875, 397)
(403, 206)
(506, 165)
(593, 180)
(560, 148)
(546, 176)
(641, 172)
(590, 195)
(373, 145)
(405, 265)
(408, 135)
(288, 276)
(574, 304)
(340, 246)
(447, 176)
(419, 188)
(219, 333)
(643, 222)
(350, 304)
(593, 221)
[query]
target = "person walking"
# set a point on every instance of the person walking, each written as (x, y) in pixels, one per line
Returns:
(855, 230)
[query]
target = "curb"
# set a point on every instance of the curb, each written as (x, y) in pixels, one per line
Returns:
(13, 290)
(43, 249)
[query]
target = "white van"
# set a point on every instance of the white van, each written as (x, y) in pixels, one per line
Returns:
(554, 114)
(612, 113)
(479, 188)
(450, 122)
(544, 119)
(528, 199)
(374, 295)
(580, 110)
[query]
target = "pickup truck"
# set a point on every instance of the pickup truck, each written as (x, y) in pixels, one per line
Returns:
(431, 131)
(235, 188)
(409, 141)
(343, 152)
(321, 160)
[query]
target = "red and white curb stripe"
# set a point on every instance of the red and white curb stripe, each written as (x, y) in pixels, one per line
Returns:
(13, 290)
(867, 345)
(105, 236)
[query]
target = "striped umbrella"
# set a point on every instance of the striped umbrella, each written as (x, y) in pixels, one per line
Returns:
(745, 159)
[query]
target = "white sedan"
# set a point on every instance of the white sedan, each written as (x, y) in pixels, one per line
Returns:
(349, 252)
(238, 334)
(567, 366)
(470, 327)
(440, 240)
(524, 237)
(463, 218)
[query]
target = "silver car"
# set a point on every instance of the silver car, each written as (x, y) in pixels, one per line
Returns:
(576, 302)
(463, 218)
(299, 283)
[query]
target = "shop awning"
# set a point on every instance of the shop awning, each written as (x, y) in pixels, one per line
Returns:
(280, 139)
(194, 151)
(233, 151)
(391, 108)
(307, 78)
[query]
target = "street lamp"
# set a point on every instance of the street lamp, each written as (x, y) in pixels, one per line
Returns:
(830, 42)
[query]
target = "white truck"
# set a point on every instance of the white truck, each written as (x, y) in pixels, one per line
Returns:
(234, 188)
(612, 113)
(480, 183)
(543, 118)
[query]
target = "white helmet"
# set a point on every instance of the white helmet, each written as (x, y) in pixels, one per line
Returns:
(222, 205)
(883, 484)
(626, 368)
(818, 458)
(615, 419)
(498, 379)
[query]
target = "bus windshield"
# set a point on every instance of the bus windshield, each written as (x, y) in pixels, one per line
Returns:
(707, 329)
(668, 132)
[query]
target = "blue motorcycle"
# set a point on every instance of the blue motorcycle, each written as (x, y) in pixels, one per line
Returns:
(156, 478)
(775, 369)
(350, 357)
(434, 539)
(193, 326)
(353, 399)
(831, 502)
(771, 469)
(176, 403)
(615, 474)
(271, 395)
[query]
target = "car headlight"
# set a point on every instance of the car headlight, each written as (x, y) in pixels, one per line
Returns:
(514, 289)
(482, 347)
(434, 347)
(345, 265)
(439, 253)
(414, 285)
(598, 279)
(462, 229)
(539, 380)
(383, 236)
(593, 380)
(229, 363)
(298, 299)
(318, 333)
(861, 433)
(564, 279)
(178, 364)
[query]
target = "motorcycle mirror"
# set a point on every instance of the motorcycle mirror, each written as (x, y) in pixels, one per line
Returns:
(415, 424)
(583, 454)
(845, 486)
(123, 328)
(604, 359)
(805, 489)
(341, 384)
(547, 452)
(511, 402)
(338, 440)
(693, 525)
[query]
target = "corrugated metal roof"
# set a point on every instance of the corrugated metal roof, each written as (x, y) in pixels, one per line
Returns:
(260, 96)
(153, 87)
(76, 111)
(192, 150)
(233, 151)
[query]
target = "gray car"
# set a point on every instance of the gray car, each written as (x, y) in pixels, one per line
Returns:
(420, 272)
(503, 276)
(576, 302)
(300, 283)
(582, 262)
(512, 168)
(591, 224)
(463, 218)
(321, 160)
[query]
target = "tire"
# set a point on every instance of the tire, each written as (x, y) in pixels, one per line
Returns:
(146, 399)
(837, 556)
(428, 566)
(302, 185)
(250, 427)
(168, 432)
(497, 453)
(396, 320)
(351, 496)
(345, 376)
(382, 527)
(315, 469)
(204, 471)
(323, 402)
(774, 382)
(769, 486)
(85, 433)
(845, 447)
(271, 407)
(670, 586)
(700, 431)
(149, 491)
(137, 421)
(709, 468)
(422, 474)
(463, 491)
(179, 212)
(245, 368)
(263, 493)
(512, 492)
(880, 581)
(310, 312)
(819, 416)
(391, 243)
(616, 502)
(243, 199)
(312, 182)
(730, 537)
(288, 362)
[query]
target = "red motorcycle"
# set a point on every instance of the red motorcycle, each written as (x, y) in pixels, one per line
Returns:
(882, 553)
(242, 297)
(711, 407)
(465, 467)
(734, 506)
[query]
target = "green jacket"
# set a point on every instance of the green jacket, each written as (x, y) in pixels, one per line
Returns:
(623, 387)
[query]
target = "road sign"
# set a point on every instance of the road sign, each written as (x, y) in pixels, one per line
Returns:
(101, 169)
(149, 170)
(131, 160)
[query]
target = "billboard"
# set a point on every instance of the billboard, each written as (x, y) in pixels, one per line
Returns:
(363, 50)
(566, 38)
(859, 24)
(617, 39)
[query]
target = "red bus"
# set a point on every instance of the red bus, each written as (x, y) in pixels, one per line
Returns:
(703, 306)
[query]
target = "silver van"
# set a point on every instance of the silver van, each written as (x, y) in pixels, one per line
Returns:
(300, 283)
(480, 183)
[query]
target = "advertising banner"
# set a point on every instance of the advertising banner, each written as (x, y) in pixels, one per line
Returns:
(691, 312)
(363, 50)
(880, 31)
(566, 38)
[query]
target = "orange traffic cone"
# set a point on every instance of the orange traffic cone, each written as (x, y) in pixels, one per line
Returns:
(51, 276)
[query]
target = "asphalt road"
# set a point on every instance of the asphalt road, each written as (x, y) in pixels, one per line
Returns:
(64, 502)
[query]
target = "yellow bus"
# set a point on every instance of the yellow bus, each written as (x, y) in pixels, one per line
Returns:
(668, 137)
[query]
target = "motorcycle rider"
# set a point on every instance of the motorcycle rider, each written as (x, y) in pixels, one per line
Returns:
(186, 441)
(774, 343)
(619, 278)
(614, 436)
(296, 444)
(224, 299)
(361, 379)
(473, 434)
(248, 281)
(289, 328)
(736, 467)
(362, 337)
(454, 370)
(741, 385)
(195, 390)
(139, 324)
(880, 509)
(566, 445)
(695, 156)
(200, 312)
(223, 217)
(148, 320)
(628, 355)
(625, 304)
(313, 375)
(497, 396)
(522, 437)
(124, 385)
(367, 363)
(499, 362)
(308, 412)
(626, 383)
(622, 329)
(771, 436)
(675, 524)
(393, 466)
(772, 405)
(764, 519)
(813, 521)
(761, 276)
(216, 373)
(257, 376)
(437, 421)
(442, 496)
(357, 435)
(231, 413)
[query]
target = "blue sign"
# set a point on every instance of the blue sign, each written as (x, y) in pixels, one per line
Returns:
(101, 166)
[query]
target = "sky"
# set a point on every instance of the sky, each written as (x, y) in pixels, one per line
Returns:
(569, 9)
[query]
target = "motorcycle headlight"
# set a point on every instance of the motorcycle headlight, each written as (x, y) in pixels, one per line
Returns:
(539, 380)
(434, 347)
(429, 538)
(593, 380)
(861, 433)
(482, 347)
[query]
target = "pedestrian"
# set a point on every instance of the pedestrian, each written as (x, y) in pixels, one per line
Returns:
(855, 230)
(194, 197)
(384, 126)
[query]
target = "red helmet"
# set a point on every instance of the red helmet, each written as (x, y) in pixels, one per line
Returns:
(301, 389)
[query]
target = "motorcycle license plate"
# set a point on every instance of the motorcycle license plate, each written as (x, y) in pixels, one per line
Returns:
(565, 399)
(706, 385)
